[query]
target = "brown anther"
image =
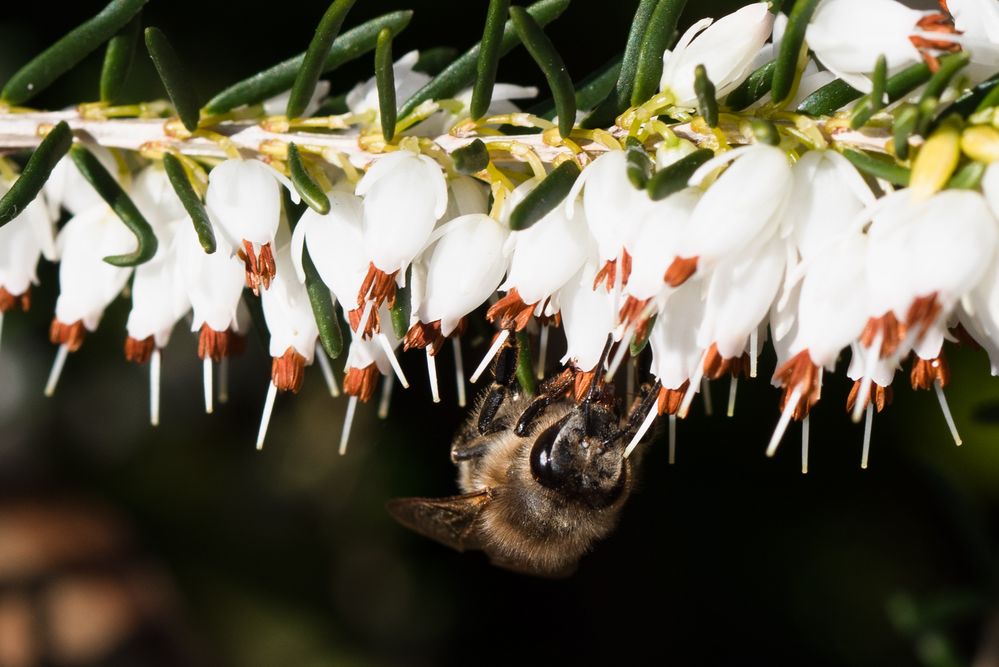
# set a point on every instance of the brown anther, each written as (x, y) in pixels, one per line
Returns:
(215, 345)
(799, 373)
(608, 273)
(260, 270)
(422, 335)
(138, 351)
(511, 310)
(882, 396)
(680, 271)
(670, 399)
(923, 312)
(361, 382)
(632, 311)
(717, 366)
(927, 371)
(581, 383)
(378, 287)
(370, 327)
(288, 371)
(929, 48)
(70, 335)
(892, 333)
(10, 301)
(550, 320)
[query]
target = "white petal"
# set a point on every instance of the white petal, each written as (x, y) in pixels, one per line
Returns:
(244, 197)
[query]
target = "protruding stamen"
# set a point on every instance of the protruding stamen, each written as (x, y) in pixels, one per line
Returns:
(754, 346)
(432, 373)
(327, 371)
(388, 382)
(459, 371)
(56, 371)
(493, 349)
(868, 422)
(672, 439)
(642, 430)
(733, 387)
(154, 387)
(206, 373)
(539, 370)
(864, 395)
(265, 418)
(618, 359)
(785, 419)
(938, 386)
(224, 380)
(348, 421)
(804, 444)
(390, 353)
(362, 325)
(706, 395)
(695, 383)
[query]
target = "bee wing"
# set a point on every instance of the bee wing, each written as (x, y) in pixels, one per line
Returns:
(450, 521)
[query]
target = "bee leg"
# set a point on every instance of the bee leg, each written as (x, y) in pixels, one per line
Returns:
(504, 380)
(551, 391)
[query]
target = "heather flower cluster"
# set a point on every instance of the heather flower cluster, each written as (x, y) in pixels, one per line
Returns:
(779, 235)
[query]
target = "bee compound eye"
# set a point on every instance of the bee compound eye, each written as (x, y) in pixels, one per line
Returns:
(542, 466)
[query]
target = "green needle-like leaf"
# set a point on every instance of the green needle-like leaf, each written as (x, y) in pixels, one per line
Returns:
(542, 199)
(312, 63)
(786, 70)
(658, 34)
(59, 58)
(435, 59)
(174, 78)
(111, 192)
(191, 201)
(753, 88)
(837, 94)
(461, 72)
(949, 66)
(279, 78)
(638, 163)
(878, 167)
(323, 308)
(906, 121)
(543, 51)
(707, 103)
(525, 370)
(968, 177)
(312, 193)
(641, 338)
(472, 158)
(873, 102)
(40, 165)
(385, 82)
(489, 57)
(401, 310)
(118, 60)
(674, 177)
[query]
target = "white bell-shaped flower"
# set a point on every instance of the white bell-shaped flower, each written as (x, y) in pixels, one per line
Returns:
(277, 105)
(336, 246)
(977, 24)
(739, 295)
(726, 48)
(588, 315)
(159, 291)
(654, 244)
(404, 196)
(67, 188)
(288, 313)
(22, 241)
(675, 352)
(244, 200)
(740, 211)
(848, 36)
(363, 98)
(214, 282)
(152, 192)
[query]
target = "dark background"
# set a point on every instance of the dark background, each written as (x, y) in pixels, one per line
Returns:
(286, 557)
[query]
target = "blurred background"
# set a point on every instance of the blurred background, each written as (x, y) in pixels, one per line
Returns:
(126, 545)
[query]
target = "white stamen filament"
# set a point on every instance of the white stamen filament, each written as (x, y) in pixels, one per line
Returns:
(493, 349)
(706, 395)
(432, 373)
(692, 387)
(642, 430)
(265, 418)
(804, 445)
(539, 370)
(388, 382)
(206, 374)
(327, 371)
(864, 395)
(615, 364)
(459, 371)
(672, 439)
(390, 353)
(56, 371)
(348, 421)
(785, 419)
(154, 388)
(224, 381)
(946, 413)
(866, 451)
(733, 387)
(754, 346)
(365, 314)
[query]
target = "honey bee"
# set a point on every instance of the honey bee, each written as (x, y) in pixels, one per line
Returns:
(543, 478)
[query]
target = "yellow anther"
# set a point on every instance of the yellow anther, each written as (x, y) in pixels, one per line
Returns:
(936, 161)
(981, 143)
